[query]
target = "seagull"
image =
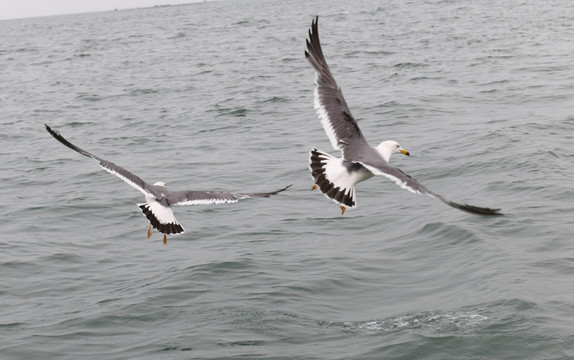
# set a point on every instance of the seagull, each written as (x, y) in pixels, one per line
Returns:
(336, 177)
(159, 199)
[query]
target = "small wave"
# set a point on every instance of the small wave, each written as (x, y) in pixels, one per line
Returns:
(89, 97)
(436, 320)
(378, 52)
(11, 325)
(244, 343)
(515, 313)
(456, 233)
(179, 35)
(240, 112)
(408, 65)
(137, 92)
(176, 348)
(276, 99)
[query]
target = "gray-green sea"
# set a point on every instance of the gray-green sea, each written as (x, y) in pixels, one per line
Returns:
(219, 96)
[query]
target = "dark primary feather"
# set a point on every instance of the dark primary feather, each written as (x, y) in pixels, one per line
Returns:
(61, 139)
(474, 209)
(265, 194)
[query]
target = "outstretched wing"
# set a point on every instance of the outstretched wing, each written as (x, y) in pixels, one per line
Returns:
(133, 180)
(212, 197)
(336, 118)
(407, 182)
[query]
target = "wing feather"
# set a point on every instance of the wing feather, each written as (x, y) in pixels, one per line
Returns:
(409, 183)
(133, 180)
(213, 197)
(336, 118)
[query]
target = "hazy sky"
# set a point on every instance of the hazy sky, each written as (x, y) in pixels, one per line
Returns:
(12, 9)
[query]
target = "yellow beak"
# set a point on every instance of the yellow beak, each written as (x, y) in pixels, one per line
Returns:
(403, 151)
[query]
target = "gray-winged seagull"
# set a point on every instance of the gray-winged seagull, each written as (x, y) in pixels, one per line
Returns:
(337, 177)
(159, 199)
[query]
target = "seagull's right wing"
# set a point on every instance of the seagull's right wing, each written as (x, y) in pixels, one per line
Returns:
(110, 167)
(336, 118)
(212, 197)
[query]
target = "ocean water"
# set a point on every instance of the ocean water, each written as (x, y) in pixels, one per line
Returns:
(218, 96)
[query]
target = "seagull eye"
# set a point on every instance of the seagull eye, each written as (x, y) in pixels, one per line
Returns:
(398, 146)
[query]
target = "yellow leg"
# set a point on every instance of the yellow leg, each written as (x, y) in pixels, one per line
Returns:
(342, 209)
(164, 239)
(314, 187)
(149, 231)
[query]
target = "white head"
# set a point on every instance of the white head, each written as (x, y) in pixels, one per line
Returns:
(389, 147)
(160, 183)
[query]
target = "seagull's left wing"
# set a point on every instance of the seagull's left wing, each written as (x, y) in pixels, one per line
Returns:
(133, 180)
(212, 197)
(407, 182)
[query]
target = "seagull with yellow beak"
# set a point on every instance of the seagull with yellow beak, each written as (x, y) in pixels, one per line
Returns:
(337, 177)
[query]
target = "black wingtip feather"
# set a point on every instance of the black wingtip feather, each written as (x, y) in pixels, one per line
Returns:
(476, 209)
(65, 142)
(271, 193)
